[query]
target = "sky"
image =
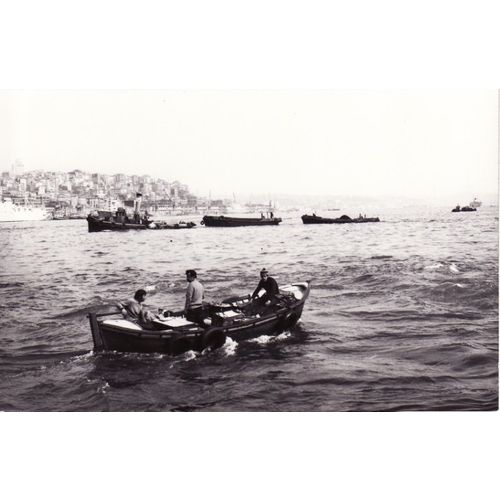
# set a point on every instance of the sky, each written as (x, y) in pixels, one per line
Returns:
(409, 143)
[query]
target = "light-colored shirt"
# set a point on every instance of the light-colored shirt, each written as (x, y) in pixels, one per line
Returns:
(133, 308)
(134, 311)
(194, 294)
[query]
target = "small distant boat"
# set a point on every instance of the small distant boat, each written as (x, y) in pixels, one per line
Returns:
(235, 317)
(463, 209)
(344, 219)
(475, 203)
(120, 221)
(62, 216)
(224, 221)
(177, 225)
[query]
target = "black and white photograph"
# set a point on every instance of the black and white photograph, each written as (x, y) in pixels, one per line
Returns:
(249, 249)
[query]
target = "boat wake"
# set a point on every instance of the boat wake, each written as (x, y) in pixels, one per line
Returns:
(188, 356)
(444, 266)
(230, 346)
(267, 339)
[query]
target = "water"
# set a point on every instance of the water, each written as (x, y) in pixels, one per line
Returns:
(403, 315)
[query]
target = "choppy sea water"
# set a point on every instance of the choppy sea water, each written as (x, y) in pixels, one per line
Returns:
(403, 315)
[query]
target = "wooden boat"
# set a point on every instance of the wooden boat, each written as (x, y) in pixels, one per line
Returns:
(119, 221)
(239, 318)
(463, 209)
(344, 219)
(224, 221)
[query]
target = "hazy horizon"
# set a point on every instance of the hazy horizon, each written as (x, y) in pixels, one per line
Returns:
(420, 144)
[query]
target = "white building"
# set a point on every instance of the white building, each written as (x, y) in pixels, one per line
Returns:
(17, 168)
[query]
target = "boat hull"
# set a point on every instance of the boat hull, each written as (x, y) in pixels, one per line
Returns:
(95, 224)
(315, 219)
(223, 221)
(114, 337)
(464, 209)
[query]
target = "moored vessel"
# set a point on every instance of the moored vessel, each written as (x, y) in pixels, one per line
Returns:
(224, 221)
(12, 212)
(463, 209)
(102, 220)
(344, 219)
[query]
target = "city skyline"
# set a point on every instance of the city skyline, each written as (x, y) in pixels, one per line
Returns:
(343, 143)
(69, 187)
(89, 190)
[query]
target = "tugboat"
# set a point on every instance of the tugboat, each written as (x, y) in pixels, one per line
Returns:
(120, 221)
(102, 220)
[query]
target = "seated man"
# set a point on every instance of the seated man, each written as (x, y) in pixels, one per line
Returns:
(133, 310)
(270, 286)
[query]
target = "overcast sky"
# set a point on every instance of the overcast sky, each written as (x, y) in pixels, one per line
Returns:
(403, 143)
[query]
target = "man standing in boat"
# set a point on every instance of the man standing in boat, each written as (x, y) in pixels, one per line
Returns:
(194, 297)
(269, 285)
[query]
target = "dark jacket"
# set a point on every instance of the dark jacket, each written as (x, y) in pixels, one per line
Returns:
(269, 285)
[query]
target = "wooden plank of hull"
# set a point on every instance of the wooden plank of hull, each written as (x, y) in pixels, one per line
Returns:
(125, 341)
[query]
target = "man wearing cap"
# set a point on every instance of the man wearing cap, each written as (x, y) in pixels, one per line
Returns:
(270, 287)
(194, 296)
